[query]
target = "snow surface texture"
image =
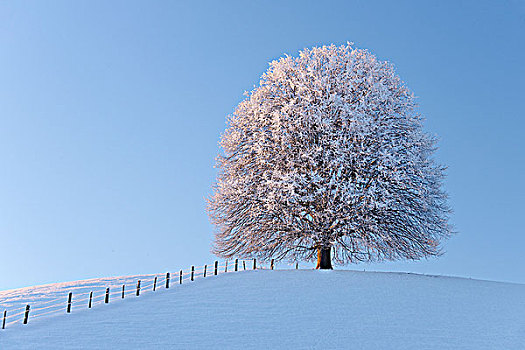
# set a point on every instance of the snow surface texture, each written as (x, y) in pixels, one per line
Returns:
(292, 309)
(44, 295)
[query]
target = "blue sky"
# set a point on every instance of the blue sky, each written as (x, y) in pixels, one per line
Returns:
(110, 114)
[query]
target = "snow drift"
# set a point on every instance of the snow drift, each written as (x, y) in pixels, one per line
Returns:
(291, 309)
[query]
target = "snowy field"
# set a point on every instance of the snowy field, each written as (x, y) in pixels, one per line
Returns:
(285, 309)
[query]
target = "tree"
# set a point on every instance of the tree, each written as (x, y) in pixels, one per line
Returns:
(328, 155)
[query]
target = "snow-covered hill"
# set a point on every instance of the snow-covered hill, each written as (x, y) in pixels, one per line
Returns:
(288, 309)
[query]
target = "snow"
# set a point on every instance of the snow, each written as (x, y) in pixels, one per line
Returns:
(286, 309)
(37, 295)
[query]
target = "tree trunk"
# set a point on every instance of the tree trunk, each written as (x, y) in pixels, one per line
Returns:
(324, 259)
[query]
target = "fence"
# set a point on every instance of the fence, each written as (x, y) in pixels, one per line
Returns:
(89, 300)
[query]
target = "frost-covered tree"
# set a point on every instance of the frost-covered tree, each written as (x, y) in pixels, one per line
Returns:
(327, 155)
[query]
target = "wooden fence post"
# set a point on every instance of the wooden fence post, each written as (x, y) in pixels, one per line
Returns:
(254, 264)
(216, 266)
(90, 299)
(226, 266)
(180, 277)
(123, 291)
(26, 314)
(244, 265)
(167, 280)
(192, 272)
(138, 288)
(5, 316)
(106, 300)
(236, 264)
(69, 297)
(205, 266)
(155, 283)
(271, 264)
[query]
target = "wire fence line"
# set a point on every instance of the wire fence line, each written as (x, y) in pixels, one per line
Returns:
(151, 283)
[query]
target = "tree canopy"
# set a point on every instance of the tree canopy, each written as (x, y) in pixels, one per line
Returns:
(328, 153)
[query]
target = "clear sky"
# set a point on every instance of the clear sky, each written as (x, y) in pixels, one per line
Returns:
(110, 114)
